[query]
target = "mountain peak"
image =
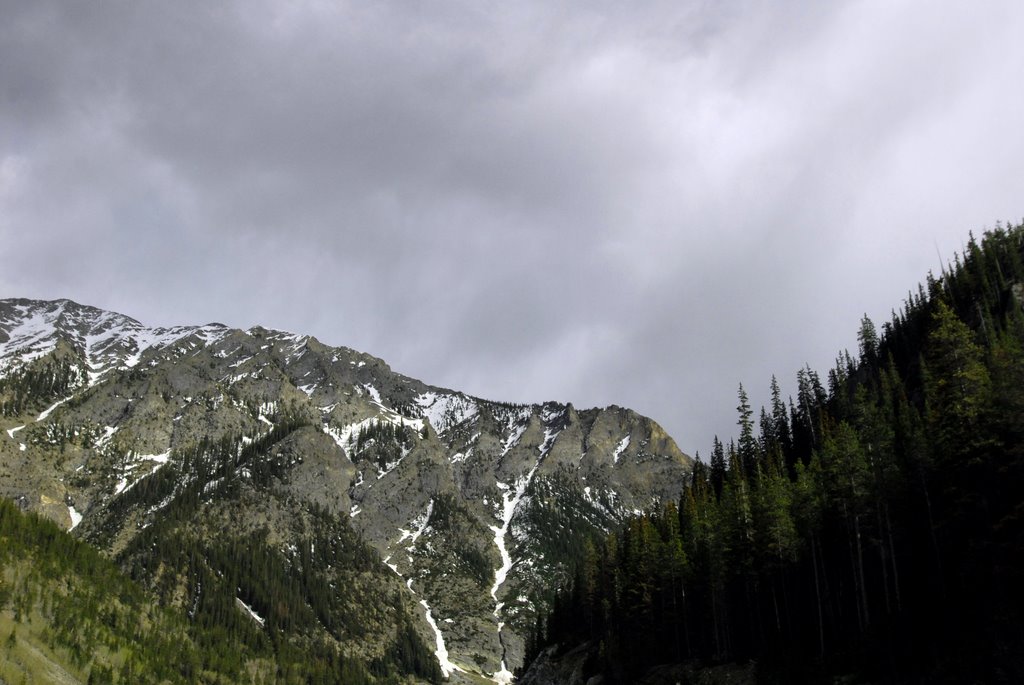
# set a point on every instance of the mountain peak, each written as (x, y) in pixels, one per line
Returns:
(476, 505)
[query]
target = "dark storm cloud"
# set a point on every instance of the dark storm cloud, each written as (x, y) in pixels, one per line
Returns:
(595, 202)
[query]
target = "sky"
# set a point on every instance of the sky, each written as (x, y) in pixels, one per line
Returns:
(641, 204)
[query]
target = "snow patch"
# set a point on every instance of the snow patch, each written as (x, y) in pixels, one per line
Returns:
(440, 651)
(30, 338)
(623, 444)
(12, 431)
(108, 433)
(511, 497)
(504, 676)
(374, 394)
(76, 518)
(252, 613)
(158, 458)
(446, 411)
(345, 437)
(551, 412)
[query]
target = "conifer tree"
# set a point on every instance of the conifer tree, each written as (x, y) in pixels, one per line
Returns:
(958, 390)
(718, 467)
(746, 447)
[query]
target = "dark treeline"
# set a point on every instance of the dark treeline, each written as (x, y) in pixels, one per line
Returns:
(873, 524)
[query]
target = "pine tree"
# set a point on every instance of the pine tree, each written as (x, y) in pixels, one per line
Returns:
(867, 340)
(746, 445)
(958, 388)
(718, 467)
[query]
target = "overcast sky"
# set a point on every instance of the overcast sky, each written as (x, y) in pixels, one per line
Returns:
(642, 204)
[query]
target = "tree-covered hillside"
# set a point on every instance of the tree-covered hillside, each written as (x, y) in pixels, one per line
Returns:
(871, 525)
(68, 614)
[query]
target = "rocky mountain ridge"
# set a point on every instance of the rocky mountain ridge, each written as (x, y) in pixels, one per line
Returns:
(475, 506)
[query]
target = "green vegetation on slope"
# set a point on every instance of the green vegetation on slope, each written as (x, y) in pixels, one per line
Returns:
(67, 614)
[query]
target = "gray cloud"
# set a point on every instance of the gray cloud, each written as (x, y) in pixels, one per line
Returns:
(595, 202)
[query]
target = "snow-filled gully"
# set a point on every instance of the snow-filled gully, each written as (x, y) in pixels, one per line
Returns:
(510, 501)
(509, 504)
(440, 651)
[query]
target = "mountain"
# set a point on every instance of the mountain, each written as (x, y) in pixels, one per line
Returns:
(261, 480)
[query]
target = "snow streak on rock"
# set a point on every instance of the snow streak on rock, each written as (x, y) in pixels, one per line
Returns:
(252, 613)
(129, 468)
(440, 651)
(47, 412)
(513, 439)
(511, 499)
(620, 449)
(420, 522)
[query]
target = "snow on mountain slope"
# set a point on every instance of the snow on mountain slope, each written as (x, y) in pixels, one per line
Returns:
(477, 504)
(105, 340)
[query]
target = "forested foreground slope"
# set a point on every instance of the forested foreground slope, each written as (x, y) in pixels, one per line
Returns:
(69, 615)
(872, 525)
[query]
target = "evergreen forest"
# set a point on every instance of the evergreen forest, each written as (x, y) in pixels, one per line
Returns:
(871, 527)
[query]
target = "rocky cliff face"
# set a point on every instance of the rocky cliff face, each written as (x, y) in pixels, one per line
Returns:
(475, 506)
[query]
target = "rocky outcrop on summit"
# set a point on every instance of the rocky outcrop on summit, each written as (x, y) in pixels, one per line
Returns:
(474, 505)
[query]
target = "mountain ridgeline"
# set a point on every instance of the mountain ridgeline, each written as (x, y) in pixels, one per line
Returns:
(320, 516)
(872, 526)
